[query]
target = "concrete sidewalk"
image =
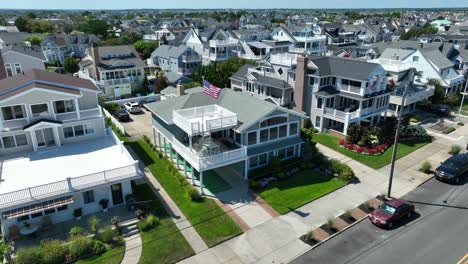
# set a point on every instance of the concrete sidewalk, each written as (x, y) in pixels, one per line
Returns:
(277, 240)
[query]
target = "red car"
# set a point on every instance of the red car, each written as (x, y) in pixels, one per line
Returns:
(390, 212)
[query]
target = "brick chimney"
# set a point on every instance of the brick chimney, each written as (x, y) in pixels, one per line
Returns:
(180, 89)
(301, 84)
(3, 73)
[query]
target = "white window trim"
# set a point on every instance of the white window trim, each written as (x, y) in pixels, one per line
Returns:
(84, 130)
(2, 144)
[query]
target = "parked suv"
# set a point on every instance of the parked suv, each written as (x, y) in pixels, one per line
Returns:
(122, 115)
(453, 169)
(133, 107)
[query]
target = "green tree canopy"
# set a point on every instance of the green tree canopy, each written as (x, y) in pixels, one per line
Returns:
(219, 73)
(439, 92)
(70, 65)
(34, 40)
(95, 26)
(22, 23)
(145, 48)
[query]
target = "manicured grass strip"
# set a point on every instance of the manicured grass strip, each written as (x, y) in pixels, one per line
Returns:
(210, 221)
(165, 243)
(376, 162)
(111, 256)
(302, 188)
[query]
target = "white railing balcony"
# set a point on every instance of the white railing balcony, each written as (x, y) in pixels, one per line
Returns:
(208, 161)
(394, 65)
(286, 59)
(69, 185)
(208, 118)
(13, 124)
(90, 113)
(125, 80)
(335, 113)
(191, 58)
(222, 56)
(224, 42)
(415, 95)
(66, 116)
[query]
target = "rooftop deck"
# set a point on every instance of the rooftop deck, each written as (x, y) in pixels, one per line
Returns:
(36, 175)
(197, 120)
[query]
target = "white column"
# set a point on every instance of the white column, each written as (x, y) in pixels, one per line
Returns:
(77, 108)
(165, 150)
(185, 168)
(201, 182)
(50, 106)
(192, 174)
(34, 140)
(246, 170)
(56, 136)
(190, 142)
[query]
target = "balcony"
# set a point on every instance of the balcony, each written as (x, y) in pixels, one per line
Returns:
(209, 155)
(308, 50)
(222, 56)
(191, 58)
(285, 59)
(199, 120)
(343, 116)
(8, 125)
(125, 80)
(413, 96)
(395, 65)
(223, 43)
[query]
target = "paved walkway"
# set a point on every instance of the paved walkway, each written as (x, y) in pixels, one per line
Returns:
(133, 249)
(277, 240)
(192, 237)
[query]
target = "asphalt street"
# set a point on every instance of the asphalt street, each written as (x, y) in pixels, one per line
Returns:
(437, 233)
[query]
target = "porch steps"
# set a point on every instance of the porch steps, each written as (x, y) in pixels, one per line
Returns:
(128, 223)
(130, 231)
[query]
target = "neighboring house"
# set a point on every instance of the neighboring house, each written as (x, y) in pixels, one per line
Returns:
(304, 39)
(335, 92)
(117, 70)
(58, 46)
(213, 44)
(20, 58)
(252, 45)
(57, 155)
(430, 63)
(171, 36)
(11, 38)
(234, 133)
(342, 35)
(182, 60)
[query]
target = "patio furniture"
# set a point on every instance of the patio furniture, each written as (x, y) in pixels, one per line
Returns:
(28, 230)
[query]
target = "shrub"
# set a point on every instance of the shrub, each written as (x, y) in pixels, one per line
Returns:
(347, 214)
(276, 163)
(347, 175)
(111, 107)
(331, 223)
(360, 149)
(455, 149)
(94, 224)
(355, 133)
(76, 231)
(80, 247)
(350, 146)
(448, 130)
(341, 142)
(361, 143)
(254, 184)
(309, 236)
(108, 234)
(115, 220)
(53, 252)
(460, 123)
(148, 223)
(413, 131)
(281, 176)
(195, 195)
(98, 248)
(31, 255)
(425, 167)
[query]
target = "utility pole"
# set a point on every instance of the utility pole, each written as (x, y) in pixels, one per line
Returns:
(395, 144)
(464, 93)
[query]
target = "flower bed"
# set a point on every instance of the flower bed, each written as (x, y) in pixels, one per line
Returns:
(374, 150)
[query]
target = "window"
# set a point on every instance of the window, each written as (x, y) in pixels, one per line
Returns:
(88, 197)
(415, 58)
(274, 121)
(280, 71)
(62, 208)
(13, 112)
(36, 215)
(319, 102)
(9, 70)
(293, 129)
(273, 133)
(252, 138)
(64, 106)
(39, 110)
(89, 129)
(262, 159)
(18, 68)
(21, 140)
(9, 142)
(253, 162)
(263, 135)
(79, 130)
(317, 121)
(68, 132)
(290, 152)
(283, 131)
(49, 211)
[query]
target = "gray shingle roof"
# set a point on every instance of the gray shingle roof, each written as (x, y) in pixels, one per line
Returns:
(343, 67)
(390, 53)
(133, 59)
(249, 109)
(437, 58)
(29, 51)
(167, 51)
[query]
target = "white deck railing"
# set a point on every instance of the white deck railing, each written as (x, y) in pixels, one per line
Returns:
(197, 120)
(224, 42)
(68, 185)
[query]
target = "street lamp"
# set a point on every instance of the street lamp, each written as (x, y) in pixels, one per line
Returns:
(395, 142)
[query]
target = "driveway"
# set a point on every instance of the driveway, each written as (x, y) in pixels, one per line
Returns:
(139, 125)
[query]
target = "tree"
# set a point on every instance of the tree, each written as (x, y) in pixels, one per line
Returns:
(219, 73)
(31, 15)
(161, 82)
(41, 26)
(145, 87)
(22, 23)
(70, 65)
(145, 48)
(439, 92)
(95, 26)
(34, 40)
(163, 40)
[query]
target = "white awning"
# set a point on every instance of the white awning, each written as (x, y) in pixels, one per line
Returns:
(35, 208)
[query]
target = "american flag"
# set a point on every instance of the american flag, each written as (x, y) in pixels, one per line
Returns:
(211, 90)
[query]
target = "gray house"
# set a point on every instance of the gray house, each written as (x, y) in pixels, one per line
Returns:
(58, 46)
(231, 135)
(18, 58)
(182, 60)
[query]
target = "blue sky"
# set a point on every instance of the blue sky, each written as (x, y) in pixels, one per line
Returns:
(161, 4)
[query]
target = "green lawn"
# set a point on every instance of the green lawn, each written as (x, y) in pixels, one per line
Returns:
(302, 188)
(210, 221)
(112, 256)
(165, 243)
(375, 162)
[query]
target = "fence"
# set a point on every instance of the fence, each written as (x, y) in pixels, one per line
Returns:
(114, 121)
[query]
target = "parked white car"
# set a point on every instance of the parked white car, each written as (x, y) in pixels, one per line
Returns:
(133, 107)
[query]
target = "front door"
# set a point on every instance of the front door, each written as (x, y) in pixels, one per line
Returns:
(117, 196)
(45, 137)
